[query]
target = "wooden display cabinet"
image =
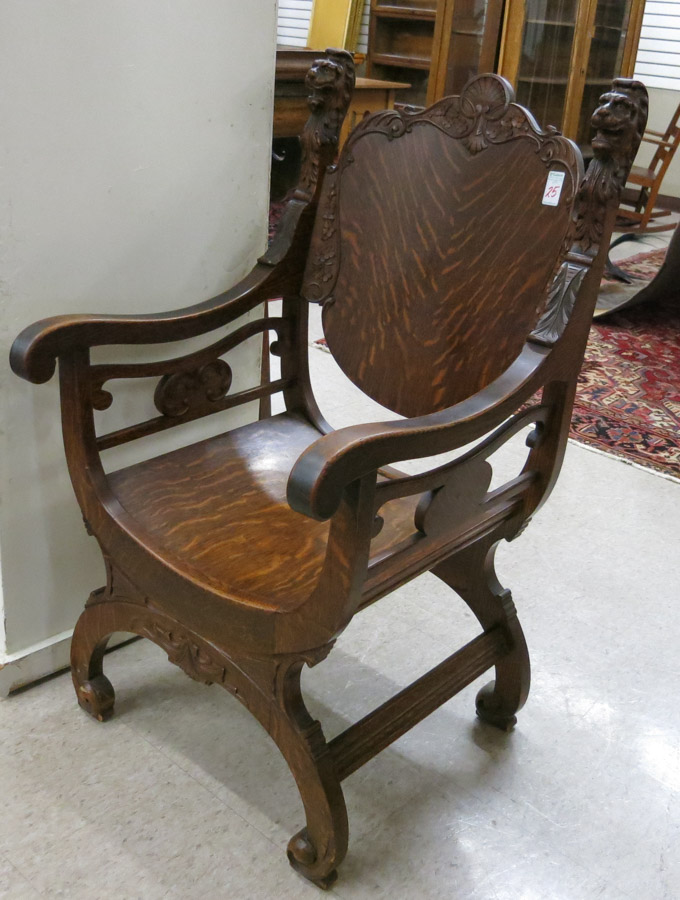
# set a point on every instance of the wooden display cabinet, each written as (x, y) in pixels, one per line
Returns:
(400, 45)
(559, 54)
(435, 45)
(467, 43)
(562, 54)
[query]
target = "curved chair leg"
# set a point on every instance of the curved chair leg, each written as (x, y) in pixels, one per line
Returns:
(93, 689)
(472, 575)
(268, 687)
(318, 849)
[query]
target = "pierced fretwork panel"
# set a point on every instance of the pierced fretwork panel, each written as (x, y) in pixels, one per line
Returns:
(442, 503)
(188, 387)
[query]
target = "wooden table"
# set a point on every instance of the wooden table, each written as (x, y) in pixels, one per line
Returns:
(664, 286)
(290, 94)
(291, 111)
(370, 95)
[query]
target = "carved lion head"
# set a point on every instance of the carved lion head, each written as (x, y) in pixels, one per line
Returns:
(330, 77)
(620, 120)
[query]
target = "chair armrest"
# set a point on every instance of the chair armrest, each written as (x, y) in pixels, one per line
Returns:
(324, 470)
(35, 351)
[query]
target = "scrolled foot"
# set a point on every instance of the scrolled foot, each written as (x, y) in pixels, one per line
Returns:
(490, 709)
(97, 697)
(303, 858)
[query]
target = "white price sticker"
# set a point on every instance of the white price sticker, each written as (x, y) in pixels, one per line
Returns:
(553, 188)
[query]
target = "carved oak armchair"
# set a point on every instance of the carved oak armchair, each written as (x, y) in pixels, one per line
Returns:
(456, 253)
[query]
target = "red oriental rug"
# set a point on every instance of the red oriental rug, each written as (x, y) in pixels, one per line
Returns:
(628, 398)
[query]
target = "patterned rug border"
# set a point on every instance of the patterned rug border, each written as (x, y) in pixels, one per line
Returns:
(626, 460)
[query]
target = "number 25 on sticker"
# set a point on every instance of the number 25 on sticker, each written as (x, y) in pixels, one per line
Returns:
(553, 188)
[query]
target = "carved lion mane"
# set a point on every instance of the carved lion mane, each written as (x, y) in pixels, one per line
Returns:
(619, 121)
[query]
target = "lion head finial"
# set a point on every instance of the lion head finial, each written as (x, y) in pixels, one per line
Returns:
(619, 122)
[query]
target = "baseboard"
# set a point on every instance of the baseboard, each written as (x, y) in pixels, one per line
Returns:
(663, 201)
(35, 662)
(41, 660)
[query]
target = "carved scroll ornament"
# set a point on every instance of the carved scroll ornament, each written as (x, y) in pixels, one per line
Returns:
(484, 114)
(184, 651)
(181, 392)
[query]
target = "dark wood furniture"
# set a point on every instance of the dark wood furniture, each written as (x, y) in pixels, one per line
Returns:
(561, 54)
(370, 95)
(663, 288)
(435, 45)
(290, 91)
(639, 213)
(291, 111)
(290, 94)
(451, 294)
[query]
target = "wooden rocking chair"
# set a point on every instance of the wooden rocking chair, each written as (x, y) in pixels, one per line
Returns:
(456, 253)
(639, 212)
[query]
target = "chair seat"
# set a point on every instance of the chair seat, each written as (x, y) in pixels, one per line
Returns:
(641, 175)
(217, 510)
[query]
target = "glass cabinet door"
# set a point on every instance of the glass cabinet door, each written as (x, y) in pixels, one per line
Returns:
(605, 59)
(549, 34)
(561, 55)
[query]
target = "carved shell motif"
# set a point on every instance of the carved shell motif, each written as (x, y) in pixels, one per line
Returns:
(484, 114)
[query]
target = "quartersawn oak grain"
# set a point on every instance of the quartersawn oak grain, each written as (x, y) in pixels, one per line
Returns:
(452, 295)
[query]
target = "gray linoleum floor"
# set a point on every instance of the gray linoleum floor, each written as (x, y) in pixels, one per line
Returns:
(183, 795)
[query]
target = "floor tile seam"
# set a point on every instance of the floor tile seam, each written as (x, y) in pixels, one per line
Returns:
(221, 800)
(20, 872)
(577, 859)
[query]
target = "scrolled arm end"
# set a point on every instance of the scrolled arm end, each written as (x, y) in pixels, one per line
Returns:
(322, 473)
(35, 351)
(33, 355)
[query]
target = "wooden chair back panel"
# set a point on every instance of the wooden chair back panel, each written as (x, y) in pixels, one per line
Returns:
(444, 251)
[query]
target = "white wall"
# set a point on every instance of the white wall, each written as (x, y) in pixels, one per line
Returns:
(662, 105)
(135, 149)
